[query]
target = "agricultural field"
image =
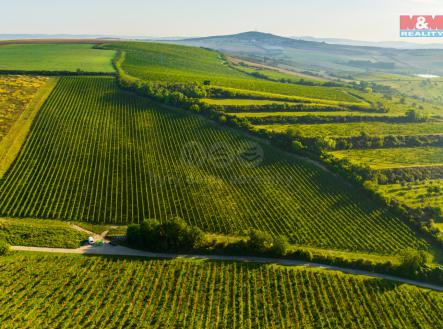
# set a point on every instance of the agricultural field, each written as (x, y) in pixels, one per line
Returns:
(40, 233)
(394, 157)
(180, 64)
(129, 293)
(430, 89)
(99, 154)
(353, 129)
(311, 113)
(252, 95)
(242, 102)
(55, 57)
(272, 73)
(20, 99)
(416, 194)
(16, 92)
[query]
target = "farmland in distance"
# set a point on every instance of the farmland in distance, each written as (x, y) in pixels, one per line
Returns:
(57, 57)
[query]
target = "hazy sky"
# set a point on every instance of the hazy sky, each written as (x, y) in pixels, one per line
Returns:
(374, 20)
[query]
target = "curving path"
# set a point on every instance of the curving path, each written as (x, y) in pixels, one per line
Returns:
(108, 250)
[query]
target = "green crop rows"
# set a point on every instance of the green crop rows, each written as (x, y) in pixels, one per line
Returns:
(352, 129)
(99, 154)
(90, 292)
(172, 63)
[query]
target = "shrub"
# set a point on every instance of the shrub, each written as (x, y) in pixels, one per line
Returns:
(259, 241)
(194, 108)
(297, 146)
(304, 255)
(149, 232)
(280, 246)
(4, 248)
(173, 234)
(133, 235)
(413, 261)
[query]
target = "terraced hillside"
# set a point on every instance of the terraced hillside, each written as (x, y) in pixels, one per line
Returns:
(111, 293)
(417, 194)
(99, 154)
(353, 129)
(394, 157)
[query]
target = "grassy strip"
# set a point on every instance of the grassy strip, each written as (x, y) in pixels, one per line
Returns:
(220, 240)
(100, 228)
(418, 194)
(354, 129)
(378, 159)
(40, 233)
(12, 143)
(246, 93)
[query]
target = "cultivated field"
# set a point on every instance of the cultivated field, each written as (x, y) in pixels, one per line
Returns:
(88, 151)
(242, 102)
(416, 194)
(180, 64)
(353, 129)
(20, 99)
(430, 89)
(16, 92)
(394, 157)
(281, 127)
(78, 292)
(55, 57)
(98, 154)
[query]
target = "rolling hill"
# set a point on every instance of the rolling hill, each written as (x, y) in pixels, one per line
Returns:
(320, 56)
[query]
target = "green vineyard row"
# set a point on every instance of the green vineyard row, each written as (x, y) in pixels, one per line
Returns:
(94, 292)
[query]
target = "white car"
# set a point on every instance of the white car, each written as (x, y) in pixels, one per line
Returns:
(91, 240)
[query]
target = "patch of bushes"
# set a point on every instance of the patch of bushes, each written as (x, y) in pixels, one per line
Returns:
(365, 141)
(397, 175)
(4, 248)
(264, 243)
(171, 235)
